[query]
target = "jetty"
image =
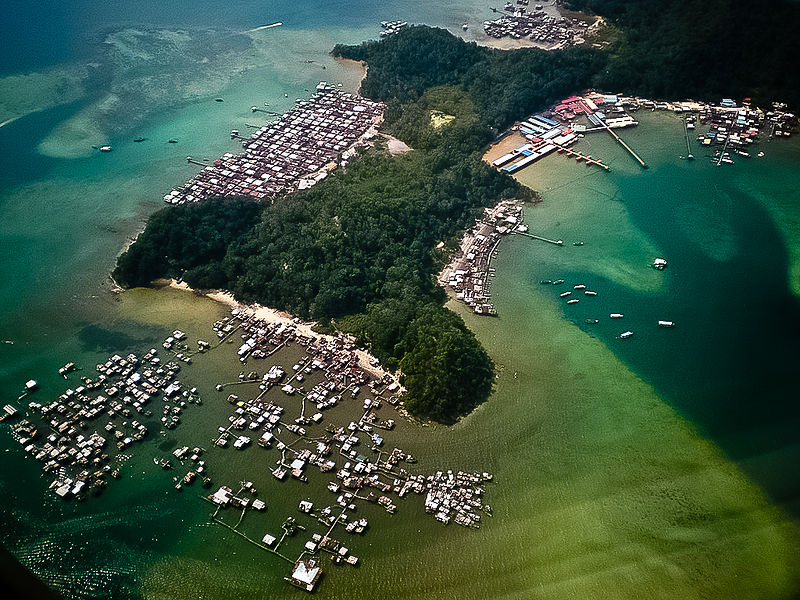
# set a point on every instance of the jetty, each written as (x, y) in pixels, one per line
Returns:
(540, 238)
(579, 156)
(623, 144)
(689, 154)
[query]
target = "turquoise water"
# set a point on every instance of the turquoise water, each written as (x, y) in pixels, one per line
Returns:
(661, 467)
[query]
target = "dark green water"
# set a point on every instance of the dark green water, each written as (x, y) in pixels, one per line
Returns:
(728, 364)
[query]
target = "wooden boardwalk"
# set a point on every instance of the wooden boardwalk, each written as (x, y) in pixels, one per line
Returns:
(579, 156)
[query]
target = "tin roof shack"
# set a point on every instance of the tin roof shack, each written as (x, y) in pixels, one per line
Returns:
(305, 574)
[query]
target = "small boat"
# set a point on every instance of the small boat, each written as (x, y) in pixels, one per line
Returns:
(577, 243)
(666, 323)
(172, 141)
(546, 281)
(760, 154)
(573, 301)
(590, 293)
(625, 335)
(465, 26)
(616, 315)
(139, 139)
(592, 321)
(659, 263)
(558, 282)
(106, 148)
(565, 294)
(218, 100)
(580, 286)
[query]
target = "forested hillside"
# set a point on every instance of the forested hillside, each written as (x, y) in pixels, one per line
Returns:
(705, 49)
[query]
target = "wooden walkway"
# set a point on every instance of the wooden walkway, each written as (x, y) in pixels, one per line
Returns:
(579, 156)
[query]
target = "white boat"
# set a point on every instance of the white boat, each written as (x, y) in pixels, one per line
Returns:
(590, 293)
(573, 301)
(666, 323)
(659, 263)
(105, 148)
(616, 315)
(625, 335)
(565, 294)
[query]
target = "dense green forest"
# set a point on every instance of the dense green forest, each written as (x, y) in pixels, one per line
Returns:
(502, 85)
(704, 49)
(357, 251)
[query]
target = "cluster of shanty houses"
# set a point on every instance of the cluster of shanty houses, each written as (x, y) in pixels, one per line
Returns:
(538, 26)
(728, 123)
(300, 147)
(367, 478)
(327, 375)
(74, 451)
(457, 496)
(468, 273)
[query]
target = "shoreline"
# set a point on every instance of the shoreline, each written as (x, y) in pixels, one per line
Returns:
(349, 62)
(275, 316)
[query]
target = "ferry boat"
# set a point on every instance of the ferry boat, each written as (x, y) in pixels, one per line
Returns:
(625, 335)
(616, 315)
(666, 323)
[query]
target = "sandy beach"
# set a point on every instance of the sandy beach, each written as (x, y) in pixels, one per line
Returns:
(513, 139)
(273, 315)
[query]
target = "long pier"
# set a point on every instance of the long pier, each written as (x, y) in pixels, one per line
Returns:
(689, 155)
(579, 156)
(540, 238)
(623, 144)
